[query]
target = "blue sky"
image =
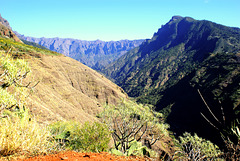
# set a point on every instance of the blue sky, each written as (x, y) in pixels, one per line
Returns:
(110, 19)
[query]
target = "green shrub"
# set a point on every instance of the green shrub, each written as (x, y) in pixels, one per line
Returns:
(62, 129)
(91, 137)
(196, 148)
(88, 137)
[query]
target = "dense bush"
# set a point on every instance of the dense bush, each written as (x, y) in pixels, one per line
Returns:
(91, 137)
(88, 137)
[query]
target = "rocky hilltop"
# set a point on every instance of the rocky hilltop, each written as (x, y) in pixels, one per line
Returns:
(6, 30)
(95, 54)
(5, 22)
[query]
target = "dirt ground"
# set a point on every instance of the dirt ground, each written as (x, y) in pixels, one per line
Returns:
(74, 156)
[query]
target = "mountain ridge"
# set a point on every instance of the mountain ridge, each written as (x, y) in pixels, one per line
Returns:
(95, 54)
(184, 56)
(168, 40)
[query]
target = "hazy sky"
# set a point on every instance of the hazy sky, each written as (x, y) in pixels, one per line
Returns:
(110, 19)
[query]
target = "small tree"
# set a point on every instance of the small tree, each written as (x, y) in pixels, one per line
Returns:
(196, 148)
(130, 122)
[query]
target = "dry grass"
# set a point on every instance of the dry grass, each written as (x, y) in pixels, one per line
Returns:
(20, 134)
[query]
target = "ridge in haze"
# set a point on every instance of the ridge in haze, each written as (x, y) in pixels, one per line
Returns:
(95, 54)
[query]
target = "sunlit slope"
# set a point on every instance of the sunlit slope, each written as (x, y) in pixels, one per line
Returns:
(67, 89)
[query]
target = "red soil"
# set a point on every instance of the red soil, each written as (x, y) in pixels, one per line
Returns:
(74, 156)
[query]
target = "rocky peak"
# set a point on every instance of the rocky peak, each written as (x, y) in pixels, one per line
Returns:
(176, 18)
(6, 30)
(4, 22)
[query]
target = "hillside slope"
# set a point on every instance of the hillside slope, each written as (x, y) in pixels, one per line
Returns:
(67, 89)
(95, 54)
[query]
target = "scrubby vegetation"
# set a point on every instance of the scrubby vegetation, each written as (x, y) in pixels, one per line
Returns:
(89, 137)
(22, 134)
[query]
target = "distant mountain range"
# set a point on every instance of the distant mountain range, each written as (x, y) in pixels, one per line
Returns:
(95, 54)
(183, 56)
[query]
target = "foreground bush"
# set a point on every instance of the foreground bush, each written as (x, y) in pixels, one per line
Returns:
(19, 133)
(89, 137)
(196, 148)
